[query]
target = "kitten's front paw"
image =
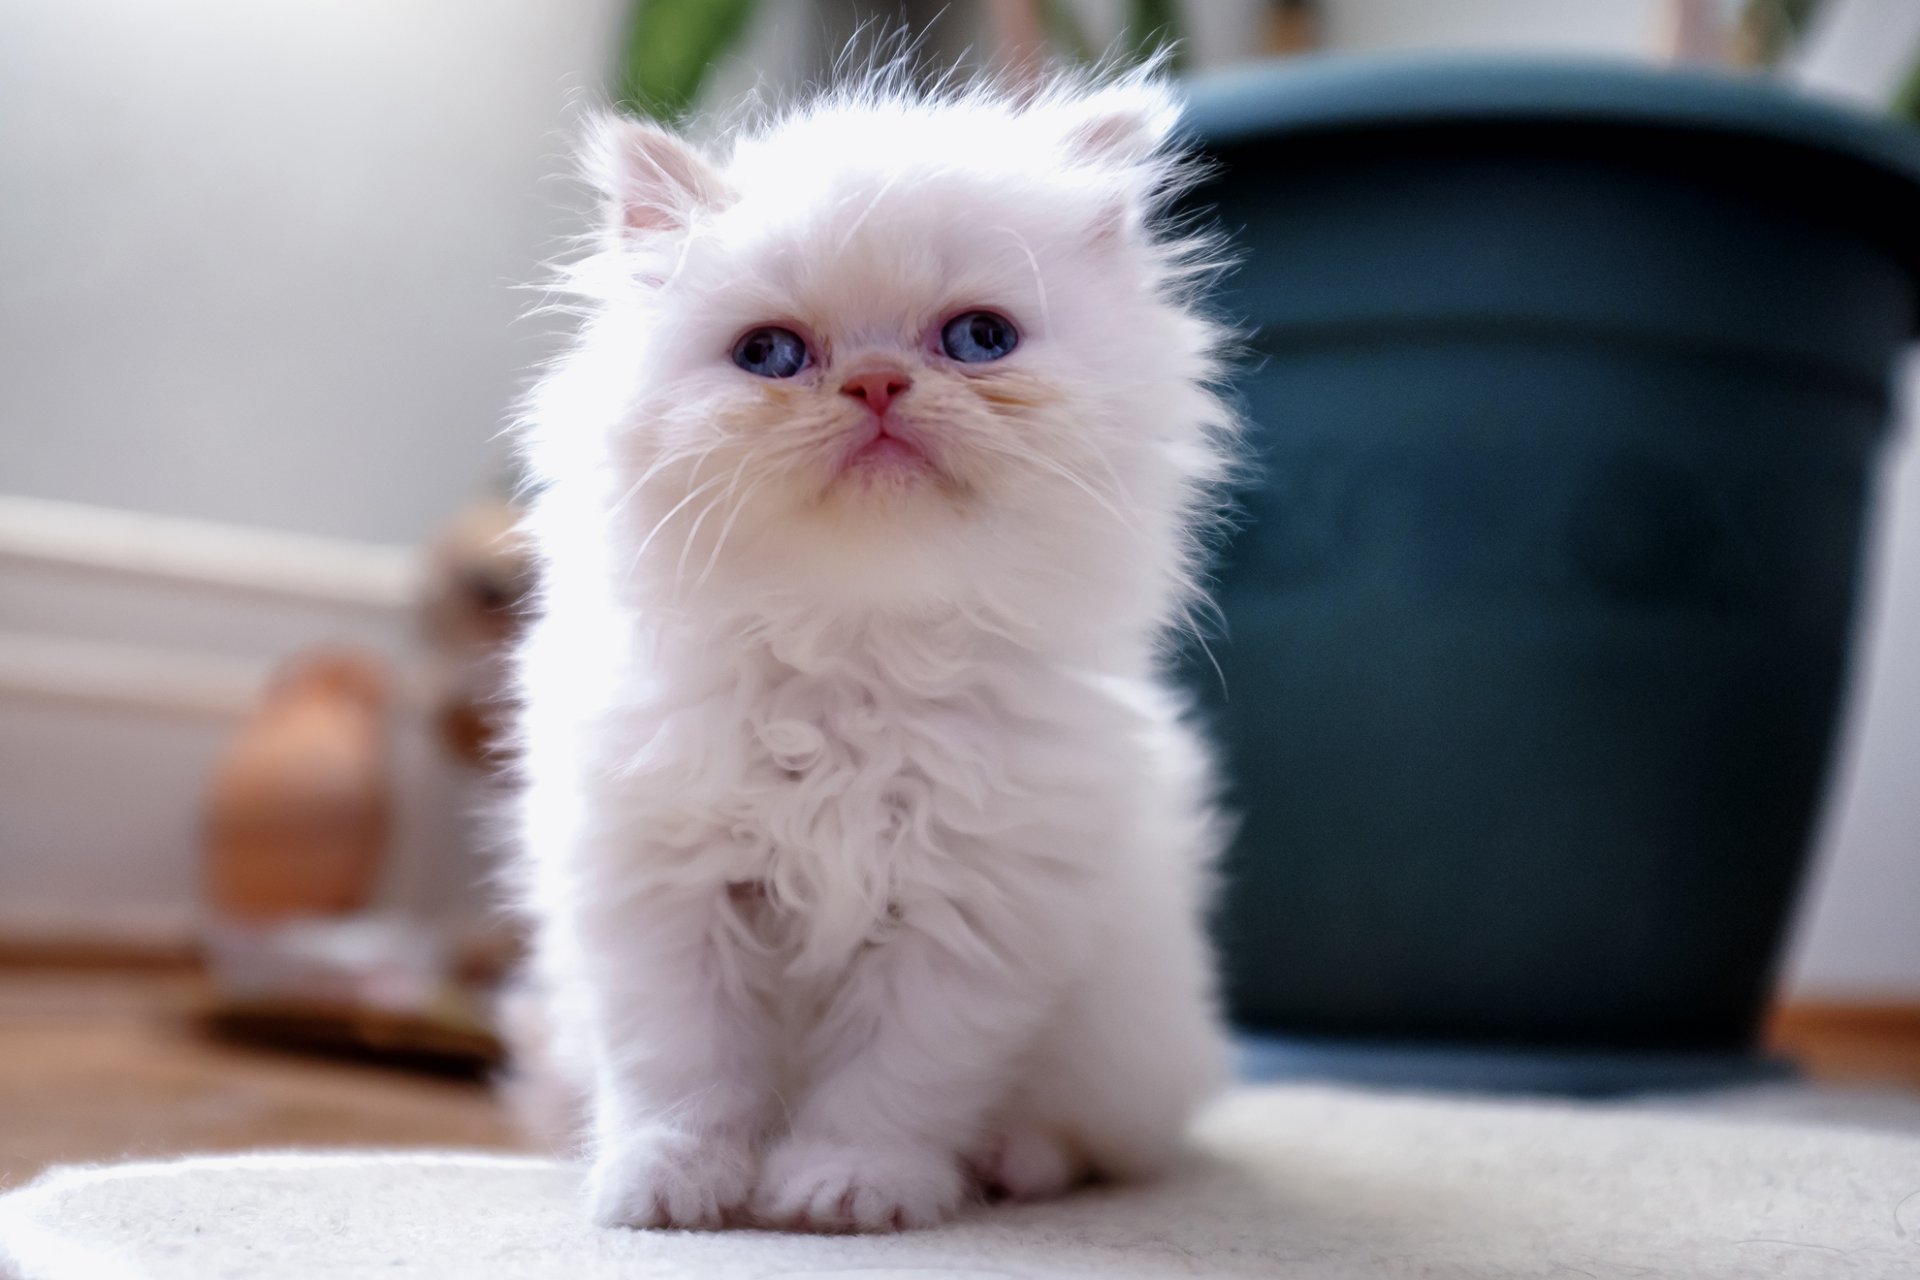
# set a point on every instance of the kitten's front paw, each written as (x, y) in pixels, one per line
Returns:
(668, 1179)
(1026, 1163)
(811, 1185)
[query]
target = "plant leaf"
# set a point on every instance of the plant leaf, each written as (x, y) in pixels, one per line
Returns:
(1906, 103)
(671, 45)
(1153, 25)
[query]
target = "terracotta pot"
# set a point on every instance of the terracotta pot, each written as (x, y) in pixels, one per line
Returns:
(298, 806)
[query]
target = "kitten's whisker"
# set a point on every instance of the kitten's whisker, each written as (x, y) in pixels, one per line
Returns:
(1039, 283)
(686, 545)
(805, 450)
(666, 460)
(846, 237)
(713, 557)
(678, 507)
(679, 261)
(1190, 625)
(1048, 464)
(1119, 493)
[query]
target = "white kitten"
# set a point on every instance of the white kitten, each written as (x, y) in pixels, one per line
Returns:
(866, 851)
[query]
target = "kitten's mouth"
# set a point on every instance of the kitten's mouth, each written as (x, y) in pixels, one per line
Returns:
(883, 445)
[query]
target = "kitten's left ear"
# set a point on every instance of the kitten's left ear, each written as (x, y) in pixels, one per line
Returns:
(1122, 125)
(654, 182)
(1121, 132)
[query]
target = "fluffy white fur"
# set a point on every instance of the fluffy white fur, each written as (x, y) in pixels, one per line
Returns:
(865, 847)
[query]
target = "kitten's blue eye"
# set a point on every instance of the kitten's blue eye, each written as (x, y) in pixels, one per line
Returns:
(975, 337)
(771, 352)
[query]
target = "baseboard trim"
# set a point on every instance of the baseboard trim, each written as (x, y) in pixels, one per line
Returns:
(233, 558)
(1897, 1020)
(98, 954)
(483, 949)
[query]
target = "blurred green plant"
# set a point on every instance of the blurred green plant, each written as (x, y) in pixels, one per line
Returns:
(1151, 26)
(1772, 29)
(1906, 103)
(1769, 28)
(672, 45)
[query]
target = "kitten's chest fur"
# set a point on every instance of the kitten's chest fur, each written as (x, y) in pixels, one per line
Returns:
(853, 799)
(867, 790)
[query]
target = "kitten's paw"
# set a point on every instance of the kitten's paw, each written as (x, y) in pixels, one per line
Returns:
(670, 1179)
(1025, 1163)
(811, 1185)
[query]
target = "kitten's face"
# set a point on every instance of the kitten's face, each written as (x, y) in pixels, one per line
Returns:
(863, 375)
(891, 353)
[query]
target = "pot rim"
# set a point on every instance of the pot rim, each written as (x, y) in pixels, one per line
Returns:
(1336, 93)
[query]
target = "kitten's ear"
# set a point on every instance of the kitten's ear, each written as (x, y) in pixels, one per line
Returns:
(1120, 132)
(1121, 126)
(652, 181)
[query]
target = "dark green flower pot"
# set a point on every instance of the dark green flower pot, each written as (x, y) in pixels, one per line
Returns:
(1567, 385)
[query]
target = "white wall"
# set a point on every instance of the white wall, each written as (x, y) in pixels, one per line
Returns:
(1859, 928)
(257, 256)
(1220, 32)
(1611, 27)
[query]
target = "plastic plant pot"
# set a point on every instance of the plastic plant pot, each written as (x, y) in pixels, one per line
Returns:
(1566, 386)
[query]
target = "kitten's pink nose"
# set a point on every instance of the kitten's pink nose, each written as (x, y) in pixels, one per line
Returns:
(877, 385)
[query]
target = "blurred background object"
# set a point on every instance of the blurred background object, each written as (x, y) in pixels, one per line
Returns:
(261, 326)
(296, 829)
(298, 812)
(1858, 51)
(479, 587)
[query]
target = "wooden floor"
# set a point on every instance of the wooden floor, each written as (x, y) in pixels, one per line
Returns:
(106, 1064)
(1851, 1043)
(103, 1065)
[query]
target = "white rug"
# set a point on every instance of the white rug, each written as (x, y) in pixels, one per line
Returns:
(1287, 1182)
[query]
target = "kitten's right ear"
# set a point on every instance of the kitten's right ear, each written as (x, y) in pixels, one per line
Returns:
(653, 182)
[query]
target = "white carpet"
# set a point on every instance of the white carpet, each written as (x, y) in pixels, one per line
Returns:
(1288, 1182)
